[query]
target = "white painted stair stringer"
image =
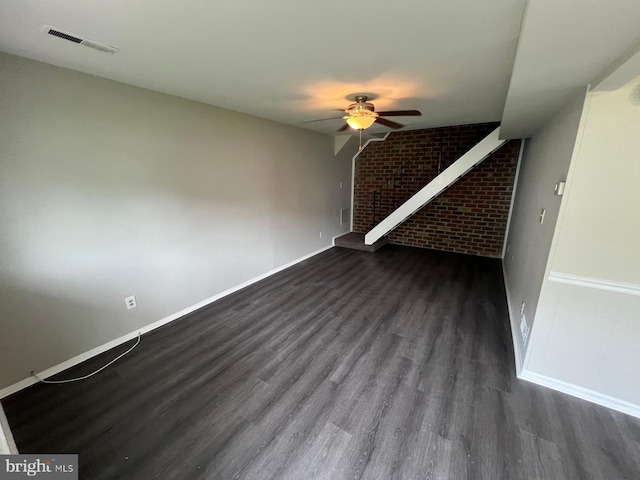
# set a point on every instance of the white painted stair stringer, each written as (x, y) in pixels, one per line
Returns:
(435, 187)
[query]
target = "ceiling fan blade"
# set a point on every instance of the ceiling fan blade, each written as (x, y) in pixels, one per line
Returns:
(388, 123)
(343, 128)
(400, 113)
(320, 119)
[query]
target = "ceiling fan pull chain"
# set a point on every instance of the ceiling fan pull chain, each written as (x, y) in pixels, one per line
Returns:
(360, 145)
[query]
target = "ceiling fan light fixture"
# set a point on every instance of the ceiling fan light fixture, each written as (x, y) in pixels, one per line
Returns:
(361, 115)
(361, 121)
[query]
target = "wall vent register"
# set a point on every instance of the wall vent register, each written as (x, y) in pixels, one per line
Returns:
(70, 37)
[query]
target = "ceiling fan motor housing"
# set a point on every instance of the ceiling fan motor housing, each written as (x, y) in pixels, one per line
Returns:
(360, 107)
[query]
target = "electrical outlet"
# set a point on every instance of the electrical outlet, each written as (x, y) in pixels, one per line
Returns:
(130, 302)
(524, 329)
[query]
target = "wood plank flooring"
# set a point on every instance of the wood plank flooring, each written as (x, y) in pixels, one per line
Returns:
(350, 365)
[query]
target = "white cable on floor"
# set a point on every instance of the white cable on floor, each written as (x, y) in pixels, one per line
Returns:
(91, 374)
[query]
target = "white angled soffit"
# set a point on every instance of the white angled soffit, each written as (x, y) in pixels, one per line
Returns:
(621, 72)
(564, 46)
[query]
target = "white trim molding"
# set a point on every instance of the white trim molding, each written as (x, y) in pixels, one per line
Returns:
(16, 387)
(597, 283)
(583, 393)
(517, 351)
(513, 198)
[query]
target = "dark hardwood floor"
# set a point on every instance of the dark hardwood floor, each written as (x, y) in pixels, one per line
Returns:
(393, 365)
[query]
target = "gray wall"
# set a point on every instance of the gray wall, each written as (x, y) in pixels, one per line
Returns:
(545, 161)
(108, 190)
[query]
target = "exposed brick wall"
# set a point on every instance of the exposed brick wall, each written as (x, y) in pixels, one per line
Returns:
(470, 217)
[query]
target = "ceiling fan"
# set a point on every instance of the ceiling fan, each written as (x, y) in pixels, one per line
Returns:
(361, 115)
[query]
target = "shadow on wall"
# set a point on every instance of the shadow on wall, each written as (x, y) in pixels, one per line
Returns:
(80, 243)
(45, 319)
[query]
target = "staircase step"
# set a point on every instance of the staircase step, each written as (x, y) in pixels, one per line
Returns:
(355, 241)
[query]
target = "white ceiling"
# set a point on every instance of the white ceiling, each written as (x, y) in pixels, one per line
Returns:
(564, 46)
(291, 61)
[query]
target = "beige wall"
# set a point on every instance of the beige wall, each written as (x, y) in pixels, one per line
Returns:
(600, 231)
(108, 190)
(588, 323)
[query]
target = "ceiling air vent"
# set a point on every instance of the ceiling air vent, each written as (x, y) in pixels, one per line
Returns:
(76, 39)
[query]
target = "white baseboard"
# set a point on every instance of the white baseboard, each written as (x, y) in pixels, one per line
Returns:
(16, 387)
(559, 385)
(517, 352)
(583, 393)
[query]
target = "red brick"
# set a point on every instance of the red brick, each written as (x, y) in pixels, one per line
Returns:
(469, 217)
